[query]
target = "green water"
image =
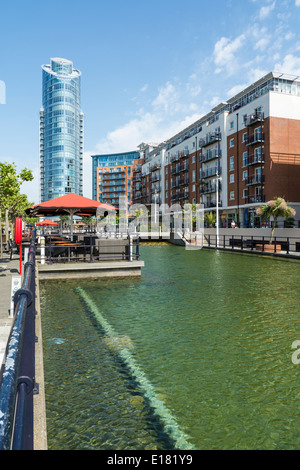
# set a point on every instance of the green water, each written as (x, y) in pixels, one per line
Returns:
(211, 333)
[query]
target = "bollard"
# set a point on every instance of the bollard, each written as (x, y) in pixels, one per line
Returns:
(42, 239)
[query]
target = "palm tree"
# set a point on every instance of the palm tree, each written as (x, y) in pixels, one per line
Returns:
(277, 207)
(210, 219)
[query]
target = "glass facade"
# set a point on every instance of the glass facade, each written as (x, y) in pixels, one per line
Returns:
(61, 131)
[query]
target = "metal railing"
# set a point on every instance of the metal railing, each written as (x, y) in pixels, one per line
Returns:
(91, 249)
(17, 376)
(283, 245)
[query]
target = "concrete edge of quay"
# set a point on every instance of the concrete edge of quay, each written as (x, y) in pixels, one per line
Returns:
(39, 402)
(90, 270)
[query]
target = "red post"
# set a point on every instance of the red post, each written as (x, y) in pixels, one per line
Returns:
(18, 238)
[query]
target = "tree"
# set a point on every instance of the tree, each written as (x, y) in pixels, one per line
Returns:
(275, 208)
(10, 184)
(210, 219)
(12, 202)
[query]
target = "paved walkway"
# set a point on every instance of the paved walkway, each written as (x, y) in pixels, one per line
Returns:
(8, 269)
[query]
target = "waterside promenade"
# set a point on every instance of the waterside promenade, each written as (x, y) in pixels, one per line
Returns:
(8, 269)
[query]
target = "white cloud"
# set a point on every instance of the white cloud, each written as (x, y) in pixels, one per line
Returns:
(265, 11)
(224, 53)
(297, 3)
(172, 109)
(290, 64)
(235, 90)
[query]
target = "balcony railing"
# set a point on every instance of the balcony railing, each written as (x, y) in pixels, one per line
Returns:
(209, 188)
(210, 155)
(258, 116)
(254, 199)
(256, 179)
(180, 167)
(155, 177)
(210, 139)
(209, 204)
(256, 138)
(210, 172)
(255, 159)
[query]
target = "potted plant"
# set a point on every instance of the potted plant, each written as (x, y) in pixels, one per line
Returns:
(275, 208)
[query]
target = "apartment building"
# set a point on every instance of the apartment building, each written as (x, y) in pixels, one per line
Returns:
(112, 177)
(243, 152)
(61, 131)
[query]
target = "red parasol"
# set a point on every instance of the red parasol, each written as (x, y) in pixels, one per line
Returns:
(47, 222)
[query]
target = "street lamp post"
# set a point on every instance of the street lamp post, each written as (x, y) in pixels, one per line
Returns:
(217, 209)
(155, 198)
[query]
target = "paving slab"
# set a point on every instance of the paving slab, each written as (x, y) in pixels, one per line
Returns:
(8, 269)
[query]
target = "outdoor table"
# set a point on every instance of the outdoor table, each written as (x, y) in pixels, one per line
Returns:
(69, 245)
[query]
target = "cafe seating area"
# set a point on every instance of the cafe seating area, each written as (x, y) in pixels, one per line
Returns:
(85, 248)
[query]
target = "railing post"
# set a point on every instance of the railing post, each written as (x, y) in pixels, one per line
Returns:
(50, 260)
(232, 242)
(287, 245)
(241, 242)
(224, 241)
(91, 249)
(252, 244)
(137, 250)
(263, 243)
(275, 245)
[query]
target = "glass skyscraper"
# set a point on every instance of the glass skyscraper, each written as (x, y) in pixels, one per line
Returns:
(61, 131)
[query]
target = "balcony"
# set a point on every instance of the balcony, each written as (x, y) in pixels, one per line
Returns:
(180, 167)
(209, 204)
(180, 154)
(256, 138)
(209, 188)
(183, 181)
(209, 172)
(155, 166)
(256, 179)
(155, 177)
(180, 195)
(254, 199)
(211, 138)
(255, 159)
(210, 155)
(258, 116)
(155, 190)
(106, 178)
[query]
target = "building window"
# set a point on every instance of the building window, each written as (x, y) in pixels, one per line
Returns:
(232, 125)
(231, 195)
(244, 138)
(193, 176)
(245, 175)
(245, 193)
(193, 159)
(245, 158)
(231, 143)
(231, 163)
(231, 178)
(193, 188)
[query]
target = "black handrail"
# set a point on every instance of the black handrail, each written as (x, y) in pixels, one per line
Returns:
(90, 251)
(17, 376)
(281, 245)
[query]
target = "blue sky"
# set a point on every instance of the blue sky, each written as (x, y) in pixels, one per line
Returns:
(149, 68)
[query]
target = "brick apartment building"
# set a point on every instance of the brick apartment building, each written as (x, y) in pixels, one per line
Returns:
(245, 151)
